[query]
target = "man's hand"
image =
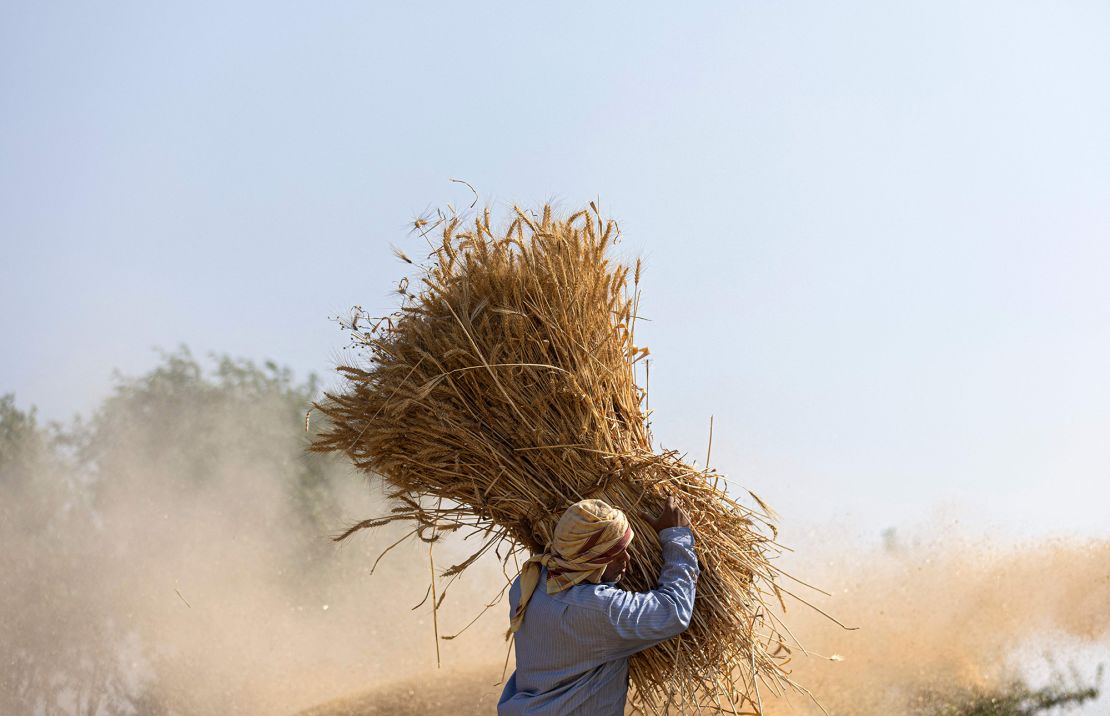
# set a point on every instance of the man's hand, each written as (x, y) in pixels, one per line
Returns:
(671, 516)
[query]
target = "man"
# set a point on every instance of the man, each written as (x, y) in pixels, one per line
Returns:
(575, 629)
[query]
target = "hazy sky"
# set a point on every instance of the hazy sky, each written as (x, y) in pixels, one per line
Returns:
(876, 234)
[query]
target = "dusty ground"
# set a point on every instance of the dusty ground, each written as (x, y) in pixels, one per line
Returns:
(455, 692)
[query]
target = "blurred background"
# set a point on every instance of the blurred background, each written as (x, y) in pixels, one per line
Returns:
(875, 239)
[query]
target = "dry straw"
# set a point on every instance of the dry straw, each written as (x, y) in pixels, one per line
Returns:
(504, 390)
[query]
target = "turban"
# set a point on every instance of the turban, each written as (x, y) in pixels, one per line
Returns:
(590, 534)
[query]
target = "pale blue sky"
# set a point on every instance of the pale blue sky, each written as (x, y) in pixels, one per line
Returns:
(876, 234)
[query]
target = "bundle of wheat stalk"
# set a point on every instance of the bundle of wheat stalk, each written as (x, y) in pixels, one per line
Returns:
(504, 390)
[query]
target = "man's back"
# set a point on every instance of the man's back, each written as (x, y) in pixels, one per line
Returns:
(572, 649)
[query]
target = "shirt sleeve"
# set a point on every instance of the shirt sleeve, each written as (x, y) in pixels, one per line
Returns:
(640, 620)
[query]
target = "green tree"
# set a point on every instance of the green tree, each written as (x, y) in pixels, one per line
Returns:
(159, 440)
(192, 422)
(58, 646)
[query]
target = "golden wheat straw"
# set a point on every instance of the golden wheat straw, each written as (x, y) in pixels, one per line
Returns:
(504, 389)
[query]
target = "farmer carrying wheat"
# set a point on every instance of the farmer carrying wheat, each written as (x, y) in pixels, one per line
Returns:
(574, 635)
(505, 390)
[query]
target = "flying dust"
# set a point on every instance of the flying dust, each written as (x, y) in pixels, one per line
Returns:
(948, 614)
(937, 621)
(172, 556)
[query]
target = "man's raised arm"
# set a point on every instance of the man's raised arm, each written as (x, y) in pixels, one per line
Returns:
(642, 620)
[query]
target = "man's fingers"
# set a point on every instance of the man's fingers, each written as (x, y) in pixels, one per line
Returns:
(669, 515)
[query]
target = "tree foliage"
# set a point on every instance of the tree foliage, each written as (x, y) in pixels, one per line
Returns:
(162, 435)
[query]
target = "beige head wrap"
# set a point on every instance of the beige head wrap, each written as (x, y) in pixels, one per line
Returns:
(590, 534)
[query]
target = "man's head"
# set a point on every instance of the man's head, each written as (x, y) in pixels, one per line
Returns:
(592, 539)
(590, 544)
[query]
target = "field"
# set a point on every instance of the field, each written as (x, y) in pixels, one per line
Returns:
(457, 692)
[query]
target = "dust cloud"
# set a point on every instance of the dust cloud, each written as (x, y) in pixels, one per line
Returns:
(272, 624)
(171, 555)
(939, 621)
(948, 614)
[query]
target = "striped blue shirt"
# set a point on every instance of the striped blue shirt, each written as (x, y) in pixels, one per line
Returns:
(572, 650)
